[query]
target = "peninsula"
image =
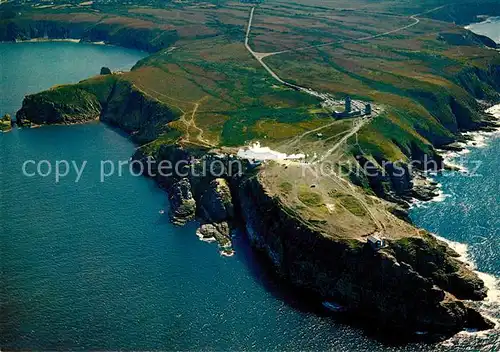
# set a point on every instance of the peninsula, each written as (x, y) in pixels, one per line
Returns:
(375, 85)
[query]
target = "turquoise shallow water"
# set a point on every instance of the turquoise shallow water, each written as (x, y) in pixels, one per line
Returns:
(95, 265)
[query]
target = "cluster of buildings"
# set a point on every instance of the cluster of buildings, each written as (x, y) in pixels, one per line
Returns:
(352, 112)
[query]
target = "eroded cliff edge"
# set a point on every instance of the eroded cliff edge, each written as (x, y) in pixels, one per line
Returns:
(108, 98)
(414, 284)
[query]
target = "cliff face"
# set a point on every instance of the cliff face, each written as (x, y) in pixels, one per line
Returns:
(196, 191)
(414, 284)
(457, 111)
(406, 286)
(130, 109)
(146, 39)
(109, 98)
(64, 105)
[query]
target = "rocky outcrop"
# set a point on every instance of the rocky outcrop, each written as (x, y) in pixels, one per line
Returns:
(109, 98)
(218, 231)
(409, 286)
(195, 189)
(183, 205)
(63, 105)
(217, 209)
(105, 71)
(5, 123)
(216, 202)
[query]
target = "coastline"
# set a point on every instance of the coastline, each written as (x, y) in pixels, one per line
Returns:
(471, 140)
(487, 306)
(44, 40)
(63, 40)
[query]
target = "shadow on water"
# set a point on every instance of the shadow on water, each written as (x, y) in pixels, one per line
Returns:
(118, 131)
(308, 302)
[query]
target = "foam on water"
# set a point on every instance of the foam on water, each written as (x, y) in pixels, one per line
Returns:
(492, 301)
(475, 140)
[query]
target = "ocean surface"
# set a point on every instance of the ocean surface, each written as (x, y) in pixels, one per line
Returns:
(467, 216)
(95, 265)
(489, 27)
(27, 68)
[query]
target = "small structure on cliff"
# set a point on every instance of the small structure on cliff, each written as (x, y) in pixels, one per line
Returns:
(376, 242)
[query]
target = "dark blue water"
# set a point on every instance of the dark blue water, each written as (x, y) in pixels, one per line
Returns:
(93, 265)
(470, 217)
(27, 68)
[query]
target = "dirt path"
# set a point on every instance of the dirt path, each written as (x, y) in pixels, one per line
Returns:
(358, 124)
(191, 123)
(297, 139)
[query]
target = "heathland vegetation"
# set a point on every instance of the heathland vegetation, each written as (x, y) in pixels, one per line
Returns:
(202, 92)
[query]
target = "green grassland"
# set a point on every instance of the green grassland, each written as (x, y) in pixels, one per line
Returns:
(5, 123)
(199, 67)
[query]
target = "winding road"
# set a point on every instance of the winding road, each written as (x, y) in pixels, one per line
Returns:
(360, 122)
(357, 123)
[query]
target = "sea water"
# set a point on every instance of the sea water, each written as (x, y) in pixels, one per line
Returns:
(93, 265)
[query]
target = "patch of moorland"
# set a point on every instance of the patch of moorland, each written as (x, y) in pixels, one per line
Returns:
(200, 92)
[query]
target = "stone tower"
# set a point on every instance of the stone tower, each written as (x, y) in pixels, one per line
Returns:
(348, 106)
(368, 109)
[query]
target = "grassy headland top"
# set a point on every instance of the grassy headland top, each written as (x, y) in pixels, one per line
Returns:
(228, 73)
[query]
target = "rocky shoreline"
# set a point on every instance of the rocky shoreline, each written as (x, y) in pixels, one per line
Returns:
(424, 187)
(414, 284)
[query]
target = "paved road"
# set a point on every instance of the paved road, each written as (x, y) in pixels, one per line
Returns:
(415, 19)
(259, 56)
(360, 122)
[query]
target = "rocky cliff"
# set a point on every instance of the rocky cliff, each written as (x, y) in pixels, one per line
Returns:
(146, 39)
(458, 110)
(108, 98)
(64, 105)
(194, 190)
(414, 284)
(411, 285)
